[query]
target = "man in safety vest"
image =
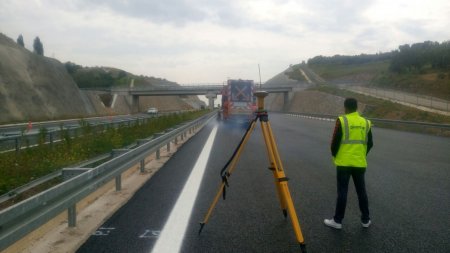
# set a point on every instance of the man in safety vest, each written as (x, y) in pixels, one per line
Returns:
(352, 141)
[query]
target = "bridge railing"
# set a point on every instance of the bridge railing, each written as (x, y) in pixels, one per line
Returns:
(212, 87)
(24, 217)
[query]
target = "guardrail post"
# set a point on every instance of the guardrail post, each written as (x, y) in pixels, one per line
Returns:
(72, 215)
(158, 154)
(119, 182)
(176, 140)
(142, 167)
(17, 145)
(115, 153)
(158, 151)
(168, 146)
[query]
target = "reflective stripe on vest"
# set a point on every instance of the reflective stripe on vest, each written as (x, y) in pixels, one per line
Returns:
(346, 133)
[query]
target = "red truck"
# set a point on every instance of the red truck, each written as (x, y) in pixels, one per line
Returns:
(238, 102)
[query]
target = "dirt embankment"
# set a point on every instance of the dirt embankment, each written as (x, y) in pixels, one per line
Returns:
(317, 102)
(34, 87)
(303, 100)
(275, 102)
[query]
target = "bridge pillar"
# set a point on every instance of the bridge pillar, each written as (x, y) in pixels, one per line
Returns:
(211, 96)
(134, 104)
(285, 100)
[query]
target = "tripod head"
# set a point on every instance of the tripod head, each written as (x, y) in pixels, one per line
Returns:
(260, 95)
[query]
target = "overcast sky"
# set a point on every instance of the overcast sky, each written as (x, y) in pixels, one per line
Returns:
(208, 41)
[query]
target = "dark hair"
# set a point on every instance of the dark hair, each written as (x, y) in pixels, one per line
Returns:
(351, 104)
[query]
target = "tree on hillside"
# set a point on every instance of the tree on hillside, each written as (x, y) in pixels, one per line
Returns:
(20, 40)
(350, 59)
(416, 57)
(72, 68)
(38, 47)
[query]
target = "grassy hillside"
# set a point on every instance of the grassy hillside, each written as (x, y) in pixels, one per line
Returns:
(90, 77)
(379, 108)
(428, 81)
(366, 71)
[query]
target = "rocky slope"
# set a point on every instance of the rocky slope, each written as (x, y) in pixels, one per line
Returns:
(34, 87)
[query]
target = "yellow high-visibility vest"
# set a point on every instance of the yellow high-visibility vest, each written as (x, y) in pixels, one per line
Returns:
(353, 149)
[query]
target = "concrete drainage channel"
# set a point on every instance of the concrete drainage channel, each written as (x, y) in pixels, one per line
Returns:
(62, 218)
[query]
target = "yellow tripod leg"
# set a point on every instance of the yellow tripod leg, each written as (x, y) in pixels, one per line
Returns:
(274, 168)
(232, 166)
(279, 172)
(282, 181)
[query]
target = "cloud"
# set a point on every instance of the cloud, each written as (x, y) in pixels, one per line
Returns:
(208, 41)
(176, 12)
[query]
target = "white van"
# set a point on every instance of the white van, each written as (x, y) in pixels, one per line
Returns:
(152, 110)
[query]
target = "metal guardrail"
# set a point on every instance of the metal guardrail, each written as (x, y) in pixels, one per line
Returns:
(19, 190)
(22, 140)
(24, 217)
(376, 120)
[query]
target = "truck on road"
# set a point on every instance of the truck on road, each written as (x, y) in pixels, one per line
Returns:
(238, 102)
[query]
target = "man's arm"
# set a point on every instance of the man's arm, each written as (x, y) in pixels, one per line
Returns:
(369, 141)
(337, 136)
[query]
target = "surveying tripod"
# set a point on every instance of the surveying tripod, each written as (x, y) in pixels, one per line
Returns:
(276, 166)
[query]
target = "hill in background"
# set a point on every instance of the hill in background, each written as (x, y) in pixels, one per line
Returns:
(107, 77)
(34, 87)
(422, 68)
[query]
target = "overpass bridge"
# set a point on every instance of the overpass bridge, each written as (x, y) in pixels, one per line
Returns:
(210, 91)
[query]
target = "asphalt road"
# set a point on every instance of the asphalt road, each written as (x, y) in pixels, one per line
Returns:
(408, 184)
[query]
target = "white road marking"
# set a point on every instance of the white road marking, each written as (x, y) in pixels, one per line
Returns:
(173, 232)
(150, 233)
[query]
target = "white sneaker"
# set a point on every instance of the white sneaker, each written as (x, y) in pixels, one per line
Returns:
(332, 223)
(367, 224)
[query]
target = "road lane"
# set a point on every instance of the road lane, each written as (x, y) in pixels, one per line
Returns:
(407, 182)
(172, 234)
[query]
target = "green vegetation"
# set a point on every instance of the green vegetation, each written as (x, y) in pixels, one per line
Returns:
(38, 47)
(422, 68)
(105, 77)
(29, 164)
(333, 71)
(97, 77)
(419, 55)
(429, 82)
(20, 41)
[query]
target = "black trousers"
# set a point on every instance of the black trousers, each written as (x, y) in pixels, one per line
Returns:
(343, 177)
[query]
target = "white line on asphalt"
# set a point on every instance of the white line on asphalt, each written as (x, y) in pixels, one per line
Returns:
(173, 232)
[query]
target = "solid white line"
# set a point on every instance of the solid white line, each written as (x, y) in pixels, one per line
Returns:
(173, 232)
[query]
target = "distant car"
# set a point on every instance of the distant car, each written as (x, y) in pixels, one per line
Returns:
(152, 110)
